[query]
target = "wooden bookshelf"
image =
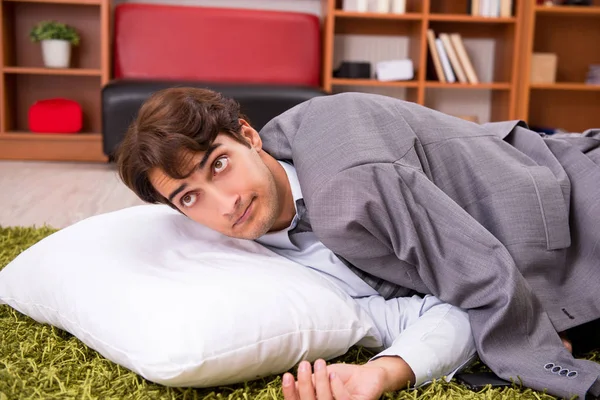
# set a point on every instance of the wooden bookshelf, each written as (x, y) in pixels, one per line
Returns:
(570, 32)
(443, 17)
(24, 79)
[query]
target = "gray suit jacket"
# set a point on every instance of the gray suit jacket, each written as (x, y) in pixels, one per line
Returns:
(477, 215)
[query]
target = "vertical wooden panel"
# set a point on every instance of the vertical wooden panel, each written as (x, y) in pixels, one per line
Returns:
(526, 47)
(2, 50)
(516, 60)
(105, 40)
(327, 38)
(422, 56)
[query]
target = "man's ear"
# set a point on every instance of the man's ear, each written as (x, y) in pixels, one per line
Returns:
(251, 135)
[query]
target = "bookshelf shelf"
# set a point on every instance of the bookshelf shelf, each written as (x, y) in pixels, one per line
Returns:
(569, 10)
(371, 15)
(471, 19)
(47, 147)
(458, 85)
(92, 137)
(52, 71)
(373, 83)
(566, 86)
(24, 79)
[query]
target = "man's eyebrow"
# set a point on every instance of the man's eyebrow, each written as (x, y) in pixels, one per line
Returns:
(201, 165)
(207, 154)
(177, 191)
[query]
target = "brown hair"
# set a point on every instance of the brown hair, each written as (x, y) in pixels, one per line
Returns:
(171, 127)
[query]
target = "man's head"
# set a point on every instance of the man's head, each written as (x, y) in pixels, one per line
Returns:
(192, 149)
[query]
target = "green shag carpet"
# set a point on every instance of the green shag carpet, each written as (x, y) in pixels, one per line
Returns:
(41, 362)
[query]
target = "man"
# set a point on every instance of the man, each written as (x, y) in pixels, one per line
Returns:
(492, 218)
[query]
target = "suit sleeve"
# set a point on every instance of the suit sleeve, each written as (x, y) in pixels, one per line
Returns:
(393, 222)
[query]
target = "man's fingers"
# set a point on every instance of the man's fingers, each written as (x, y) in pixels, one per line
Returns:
(289, 387)
(306, 389)
(337, 386)
(322, 381)
(566, 342)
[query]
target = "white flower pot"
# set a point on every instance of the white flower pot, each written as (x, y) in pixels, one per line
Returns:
(56, 53)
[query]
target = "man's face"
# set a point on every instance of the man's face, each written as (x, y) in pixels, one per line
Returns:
(231, 189)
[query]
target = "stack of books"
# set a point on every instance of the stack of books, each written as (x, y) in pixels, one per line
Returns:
(490, 8)
(593, 75)
(450, 59)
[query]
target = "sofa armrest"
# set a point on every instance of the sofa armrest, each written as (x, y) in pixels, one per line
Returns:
(121, 100)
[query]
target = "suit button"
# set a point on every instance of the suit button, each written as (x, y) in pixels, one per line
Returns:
(556, 369)
(549, 366)
(563, 372)
(572, 374)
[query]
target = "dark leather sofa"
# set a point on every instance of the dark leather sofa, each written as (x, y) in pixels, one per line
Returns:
(121, 101)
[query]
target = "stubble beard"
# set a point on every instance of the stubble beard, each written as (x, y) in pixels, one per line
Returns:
(270, 202)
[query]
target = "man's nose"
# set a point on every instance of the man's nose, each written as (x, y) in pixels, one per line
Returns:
(227, 203)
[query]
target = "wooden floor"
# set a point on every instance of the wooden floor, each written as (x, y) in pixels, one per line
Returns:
(59, 194)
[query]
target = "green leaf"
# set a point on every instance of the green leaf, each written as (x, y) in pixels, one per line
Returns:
(47, 30)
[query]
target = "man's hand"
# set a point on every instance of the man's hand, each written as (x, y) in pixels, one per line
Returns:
(566, 342)
(347, 381)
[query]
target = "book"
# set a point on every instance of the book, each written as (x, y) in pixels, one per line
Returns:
(398, 6)
(475, 8)
(506, 8)
(439, 71)
(444, 60)
(453, 58)
(464, 58)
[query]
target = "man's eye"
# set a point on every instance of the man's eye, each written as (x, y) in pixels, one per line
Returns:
(220, 164)
(188, 200)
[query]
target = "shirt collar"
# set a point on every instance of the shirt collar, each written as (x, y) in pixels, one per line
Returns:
(294, 182)
(281, 238)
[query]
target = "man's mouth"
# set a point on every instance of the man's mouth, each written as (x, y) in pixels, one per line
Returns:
(246, 214)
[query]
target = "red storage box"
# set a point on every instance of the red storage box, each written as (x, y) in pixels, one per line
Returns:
(55, 116)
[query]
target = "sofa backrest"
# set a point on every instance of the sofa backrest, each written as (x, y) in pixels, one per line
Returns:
(216, 44)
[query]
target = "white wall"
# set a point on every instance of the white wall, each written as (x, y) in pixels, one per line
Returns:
(377, 48)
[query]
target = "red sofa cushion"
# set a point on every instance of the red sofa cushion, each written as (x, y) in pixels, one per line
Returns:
(216, 44)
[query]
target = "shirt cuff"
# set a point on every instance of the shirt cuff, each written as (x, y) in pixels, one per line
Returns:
(420, 360)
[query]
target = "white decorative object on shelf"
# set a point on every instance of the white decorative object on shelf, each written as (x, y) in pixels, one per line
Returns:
(394, 70)
(356, 5)
(56, 38)
(398, 6)
(56, 53)
(381, 6)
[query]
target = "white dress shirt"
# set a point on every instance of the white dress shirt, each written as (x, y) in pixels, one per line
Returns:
(432, 337)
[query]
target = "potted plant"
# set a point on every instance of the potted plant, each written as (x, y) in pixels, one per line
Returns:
(57, 39)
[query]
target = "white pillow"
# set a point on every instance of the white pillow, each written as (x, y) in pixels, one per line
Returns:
(180, 304)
